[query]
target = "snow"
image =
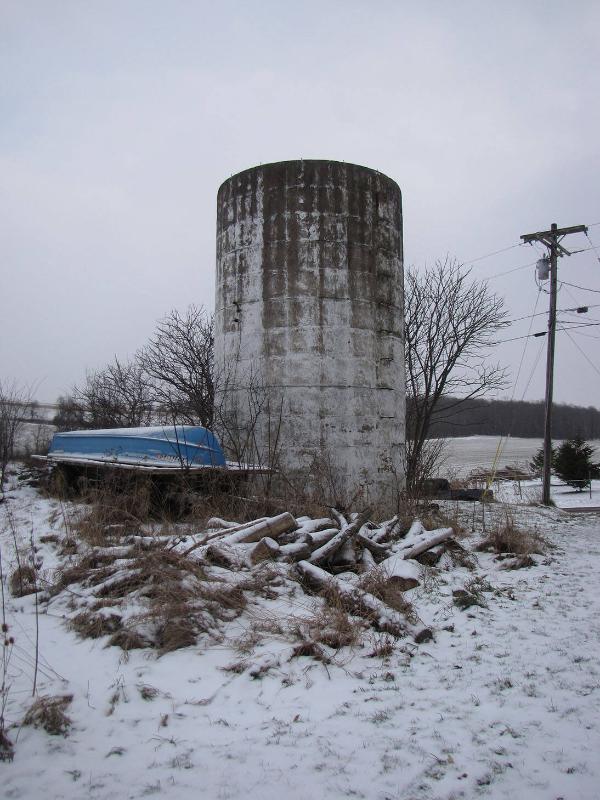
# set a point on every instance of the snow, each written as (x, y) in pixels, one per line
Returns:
(504, 703)
(563, 496)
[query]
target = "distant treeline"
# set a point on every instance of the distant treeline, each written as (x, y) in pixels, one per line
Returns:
(502, 417)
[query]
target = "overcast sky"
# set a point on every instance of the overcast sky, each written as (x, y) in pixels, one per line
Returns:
(119, 121)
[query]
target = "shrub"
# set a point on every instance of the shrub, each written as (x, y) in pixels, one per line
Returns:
(573, 463)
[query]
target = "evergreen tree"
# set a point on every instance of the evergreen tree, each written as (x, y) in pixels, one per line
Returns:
(536, 465)
(573, 463)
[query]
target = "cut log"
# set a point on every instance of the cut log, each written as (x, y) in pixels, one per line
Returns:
(403, 574)
(297, 551)
(266, 549)
(386, 531)
(320, 538)
(228, 557)
(306, 530)
(431, 557)
(416, 529)
(367, 561)
(231, 527)
(314, 525)
(223, 532)
(217, 522)
(427, 540)
(345, 558)
(326, 552)
(381, 616)
(347, 577)
(272, 526)
(339, 518)
(369, 544)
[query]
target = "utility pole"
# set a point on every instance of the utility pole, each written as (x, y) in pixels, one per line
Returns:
(551, 239)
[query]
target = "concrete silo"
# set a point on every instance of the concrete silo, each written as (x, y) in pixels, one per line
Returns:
(309, 304)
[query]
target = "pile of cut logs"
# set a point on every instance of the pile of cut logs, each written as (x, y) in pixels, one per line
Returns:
(331, 553)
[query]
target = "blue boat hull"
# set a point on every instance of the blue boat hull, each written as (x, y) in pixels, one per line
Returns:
(180, 446)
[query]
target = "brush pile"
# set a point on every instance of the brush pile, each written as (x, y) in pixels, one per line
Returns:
(168, 591)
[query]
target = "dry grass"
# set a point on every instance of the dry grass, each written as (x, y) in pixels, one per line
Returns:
(506, 537)
(310, 649)
(93, 626)
(182, 601)
(472, 594)
(329, 625)
(263, 581)
(23, 581)
(68, 546)
(147, 692)
(459, 555)
(7, 750)
(176, 629)
(377, 583)
(107, 521)
(383, 646)
(49, 713)
(236, 667)
(128, 639)
(50, 538)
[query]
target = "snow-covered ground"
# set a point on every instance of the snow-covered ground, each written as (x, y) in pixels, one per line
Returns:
(504, 703)
(563, 496)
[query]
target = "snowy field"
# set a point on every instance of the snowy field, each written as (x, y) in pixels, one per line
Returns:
(466, 453)
(503, 703)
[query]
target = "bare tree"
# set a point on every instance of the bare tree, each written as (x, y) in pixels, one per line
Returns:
(117, 396)
(451, 322)
(178, 361)
(15, 409)
(70, 414)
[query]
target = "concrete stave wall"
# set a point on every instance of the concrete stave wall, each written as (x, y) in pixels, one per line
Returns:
(310, 297)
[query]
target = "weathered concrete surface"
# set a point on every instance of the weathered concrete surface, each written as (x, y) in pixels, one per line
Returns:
(309, 301)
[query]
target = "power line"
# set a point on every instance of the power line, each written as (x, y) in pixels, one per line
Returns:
(594, 248)
(533, 369)
(585, 325)
(583, 353)
(583, 288)
(537, 300)
(560, 311)
(572, 321)
(508, 272)
(494, 253)
(512, 247)
(583, 250)
(588, 335)
(543, 333)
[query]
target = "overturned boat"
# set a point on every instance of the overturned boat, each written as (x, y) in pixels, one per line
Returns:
(157, 450)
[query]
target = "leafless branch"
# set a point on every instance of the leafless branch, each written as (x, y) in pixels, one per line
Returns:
(451, 323)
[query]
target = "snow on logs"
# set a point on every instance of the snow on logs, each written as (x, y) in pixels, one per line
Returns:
(327, 553)
(335, 544)
(362, 603)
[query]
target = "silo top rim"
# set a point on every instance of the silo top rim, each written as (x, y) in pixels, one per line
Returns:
(260, 167)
